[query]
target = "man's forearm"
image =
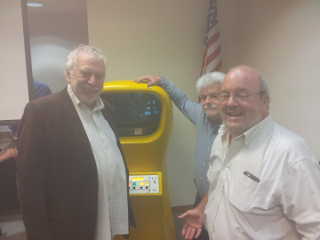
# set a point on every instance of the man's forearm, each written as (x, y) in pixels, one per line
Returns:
(189, 108)
(202, 204)
(2, 156)
(8, 153)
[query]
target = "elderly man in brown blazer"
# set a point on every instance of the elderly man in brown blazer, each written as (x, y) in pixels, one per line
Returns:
(72, 179)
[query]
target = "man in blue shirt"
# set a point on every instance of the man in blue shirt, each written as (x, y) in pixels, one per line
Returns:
(40, 90)
(203, 114)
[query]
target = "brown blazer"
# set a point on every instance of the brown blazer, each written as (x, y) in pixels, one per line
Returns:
(56, 171)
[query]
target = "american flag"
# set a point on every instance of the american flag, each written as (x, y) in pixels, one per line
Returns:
(212, 57)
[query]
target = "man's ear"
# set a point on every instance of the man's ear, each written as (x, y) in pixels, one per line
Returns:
(67, 75)
(265, 98)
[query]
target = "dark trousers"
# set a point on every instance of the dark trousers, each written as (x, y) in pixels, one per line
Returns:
(204, 234)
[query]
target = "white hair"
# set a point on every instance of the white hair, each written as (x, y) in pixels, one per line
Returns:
(209, 79)
(74, 54)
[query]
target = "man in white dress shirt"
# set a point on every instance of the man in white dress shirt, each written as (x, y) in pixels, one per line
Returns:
(72, 178)
(264, 180)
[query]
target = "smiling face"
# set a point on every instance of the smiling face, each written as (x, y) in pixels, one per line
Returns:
(209, 99)
(86, 78)
(242, 103)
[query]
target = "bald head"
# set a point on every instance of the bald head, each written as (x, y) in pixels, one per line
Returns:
(251, 75)
(245, 99)
(245, 73)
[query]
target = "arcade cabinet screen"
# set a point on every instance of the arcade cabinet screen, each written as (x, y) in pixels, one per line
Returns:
(134, 113)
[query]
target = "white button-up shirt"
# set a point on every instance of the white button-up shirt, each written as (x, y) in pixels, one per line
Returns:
(112, 216)
(264, 184)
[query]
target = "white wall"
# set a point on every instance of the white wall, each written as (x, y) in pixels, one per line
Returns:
(156, 37)
(281, 39)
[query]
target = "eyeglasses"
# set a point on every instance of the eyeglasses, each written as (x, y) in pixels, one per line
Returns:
(240, 96)
(214, 96)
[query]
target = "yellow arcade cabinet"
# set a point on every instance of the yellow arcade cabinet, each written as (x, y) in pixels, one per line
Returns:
(143, 118)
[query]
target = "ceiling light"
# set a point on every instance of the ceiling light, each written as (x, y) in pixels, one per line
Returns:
(34, 4)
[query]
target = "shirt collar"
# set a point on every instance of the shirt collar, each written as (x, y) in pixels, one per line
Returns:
(76, 101)
(257, 130)
(251, 134)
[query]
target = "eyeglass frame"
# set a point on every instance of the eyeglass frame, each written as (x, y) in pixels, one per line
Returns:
(237, 96)
(214, 96)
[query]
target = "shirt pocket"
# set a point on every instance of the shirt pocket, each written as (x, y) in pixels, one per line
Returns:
(242, 190)
(252, 196)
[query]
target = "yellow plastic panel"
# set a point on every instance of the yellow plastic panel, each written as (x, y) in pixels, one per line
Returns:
(145, 155)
